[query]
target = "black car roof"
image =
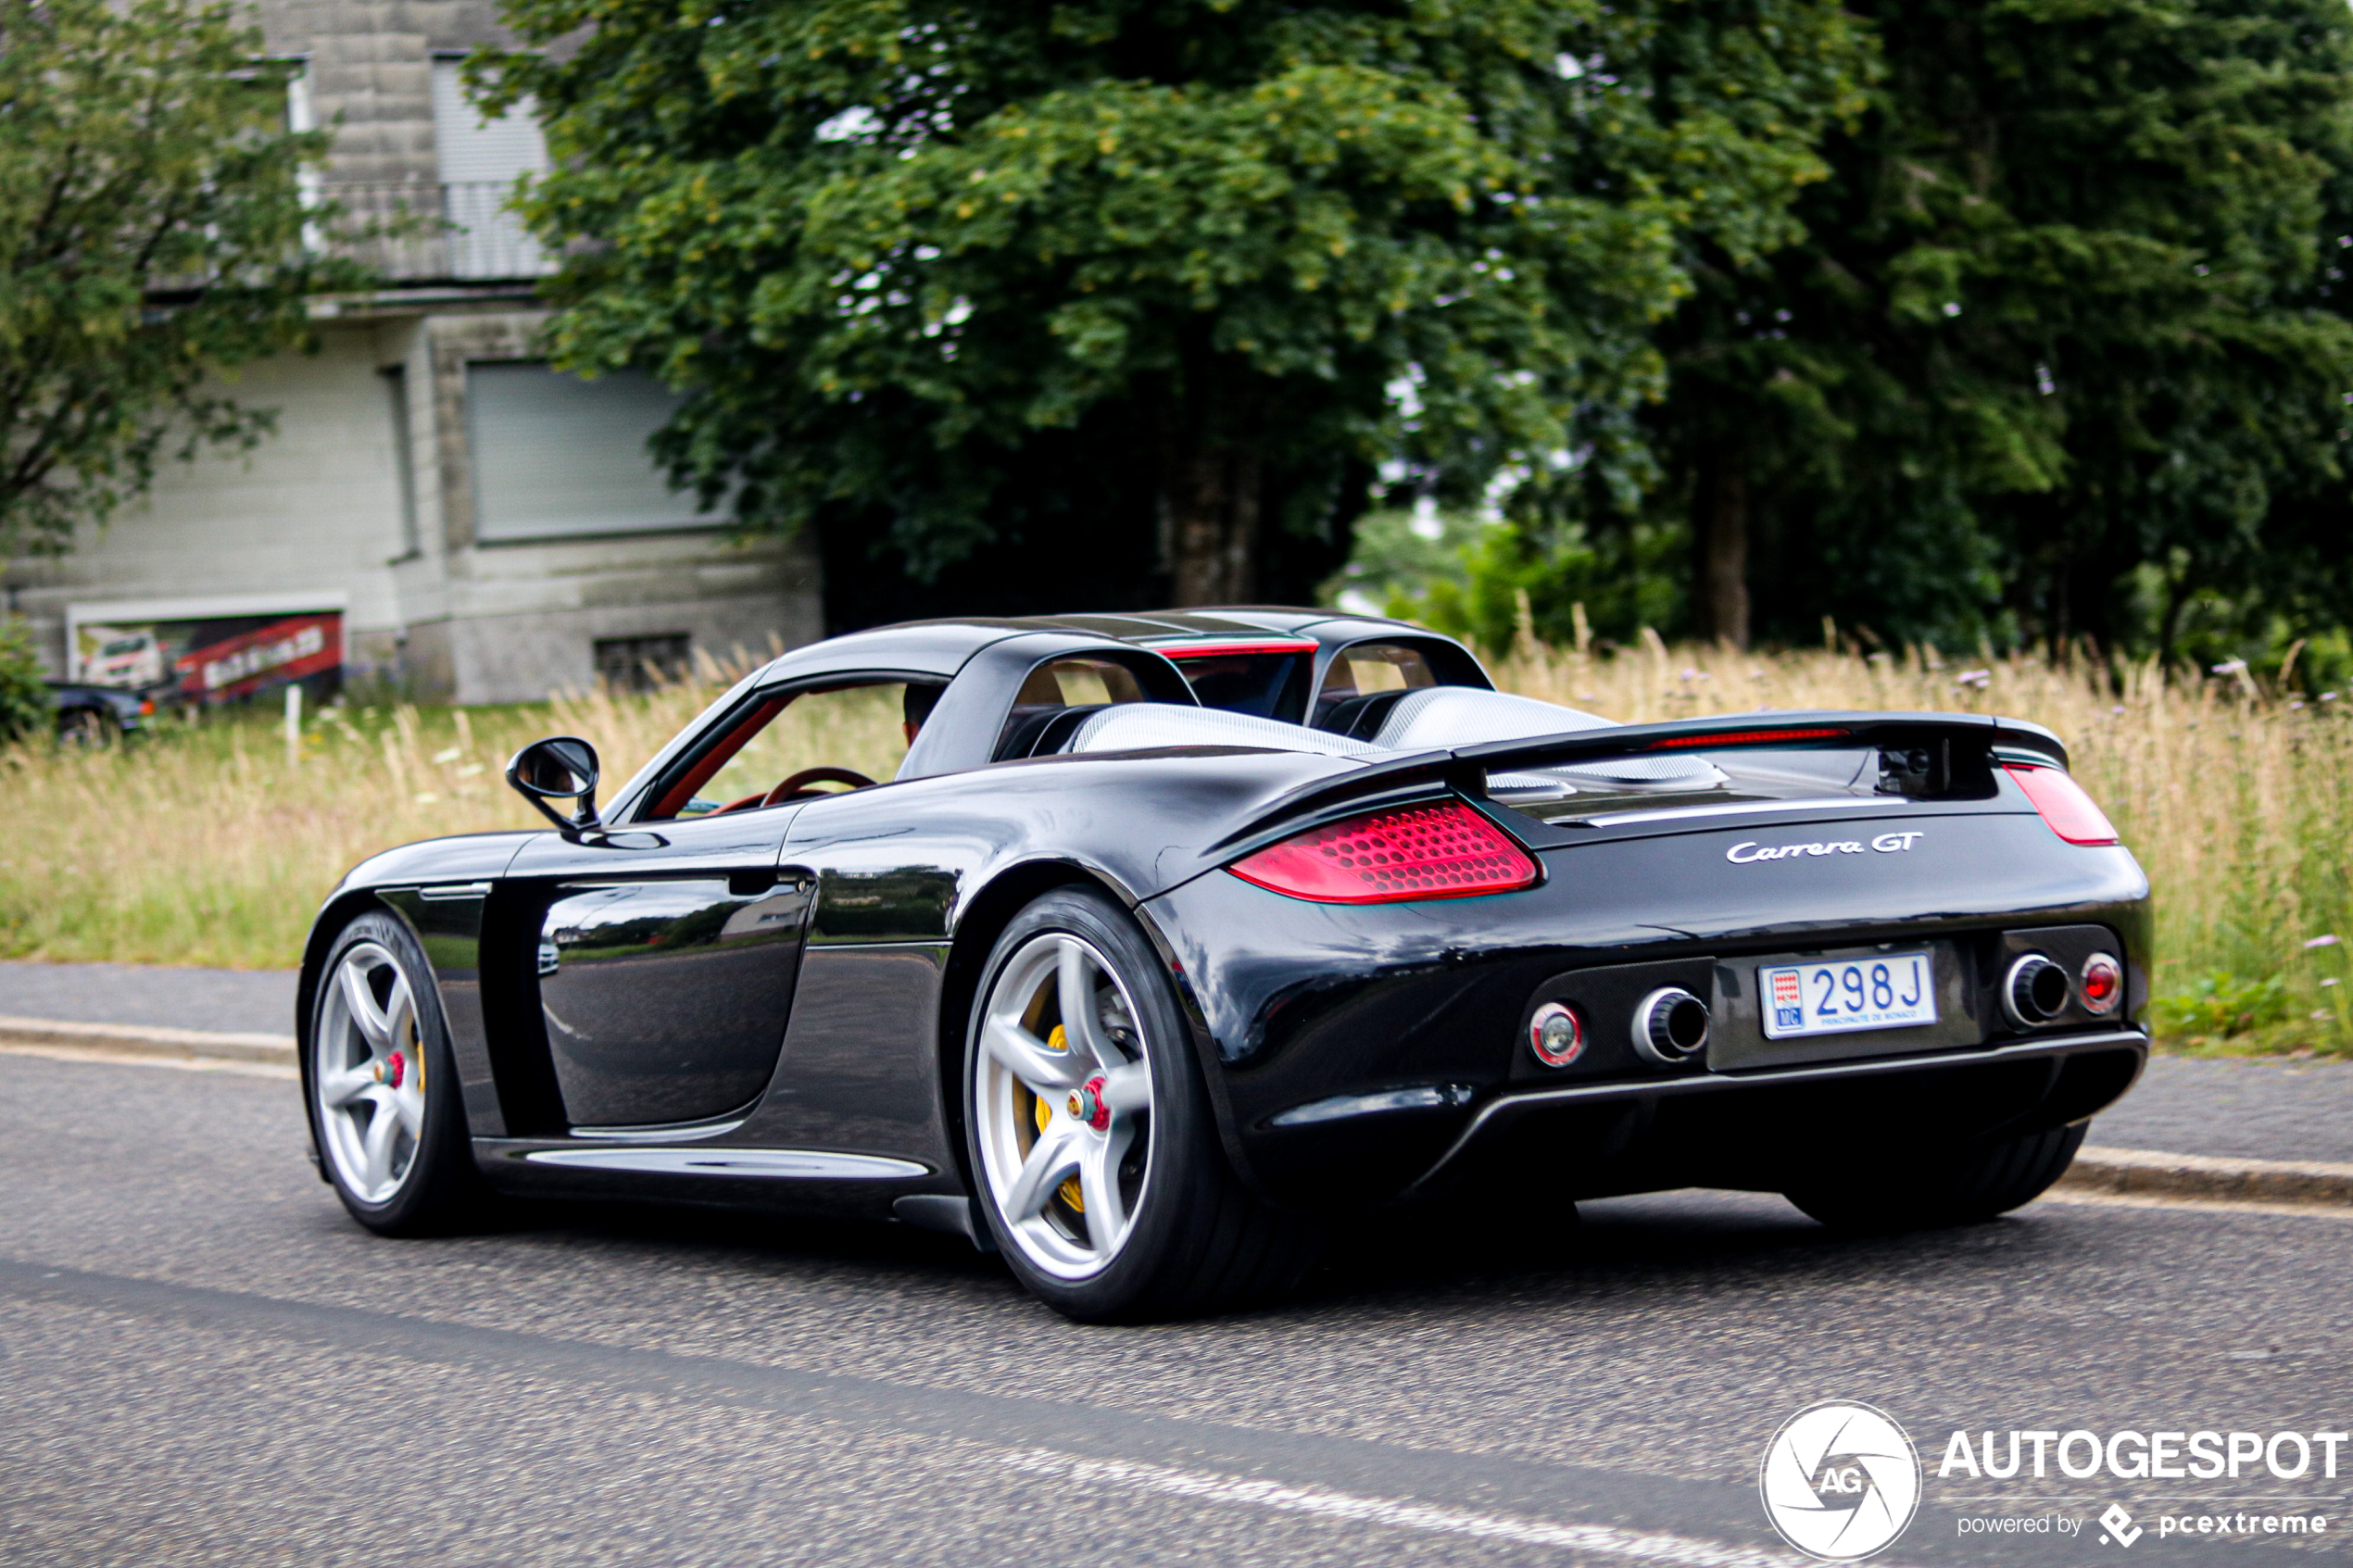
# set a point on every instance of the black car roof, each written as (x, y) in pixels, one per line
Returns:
(942, 647)
(939, 650)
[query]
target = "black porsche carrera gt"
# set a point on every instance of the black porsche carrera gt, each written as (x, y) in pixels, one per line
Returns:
(1170, 937)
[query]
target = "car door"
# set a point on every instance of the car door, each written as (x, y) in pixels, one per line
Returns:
(668, 949)
(666, 965)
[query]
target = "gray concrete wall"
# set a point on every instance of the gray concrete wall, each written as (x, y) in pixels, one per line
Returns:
(371, 72)
(317, 508)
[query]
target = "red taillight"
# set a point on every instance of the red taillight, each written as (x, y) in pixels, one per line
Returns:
(1446, 851)
(1743, 737)
(1227, 651)
(2069, 812)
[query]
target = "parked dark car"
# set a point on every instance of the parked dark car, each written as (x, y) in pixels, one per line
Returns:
(97, 714)
(1148, 959)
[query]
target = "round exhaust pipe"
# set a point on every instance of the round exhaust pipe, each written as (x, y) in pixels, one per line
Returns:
(2035, 991)
(1670, 1025)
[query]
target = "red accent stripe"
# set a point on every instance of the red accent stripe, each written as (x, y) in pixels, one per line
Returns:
(1743, 737)
(1212, 650)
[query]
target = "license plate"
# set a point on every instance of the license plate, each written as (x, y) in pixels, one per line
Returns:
(1896, 991)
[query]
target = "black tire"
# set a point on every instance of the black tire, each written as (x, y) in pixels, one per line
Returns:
(1199, 1241)
(437, 1190)
(88, 727)
(1966, 1188)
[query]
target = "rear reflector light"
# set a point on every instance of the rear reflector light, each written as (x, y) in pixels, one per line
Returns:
(1743, 737)
(1448, 851)
(2102, 985)
(2069, 812)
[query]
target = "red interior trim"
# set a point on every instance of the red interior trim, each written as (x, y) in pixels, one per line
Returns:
(718, 757)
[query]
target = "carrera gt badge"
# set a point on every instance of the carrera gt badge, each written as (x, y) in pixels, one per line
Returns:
(1748, 851)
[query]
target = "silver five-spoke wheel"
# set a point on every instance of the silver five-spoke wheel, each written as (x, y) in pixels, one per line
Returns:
(1064, 1105)
(369, 1066)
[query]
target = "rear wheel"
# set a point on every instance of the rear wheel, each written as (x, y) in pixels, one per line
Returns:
(383, 1088)
(1093, 1148)
(88, 727)
(1962, 1188)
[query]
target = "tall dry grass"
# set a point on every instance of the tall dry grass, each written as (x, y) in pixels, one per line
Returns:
(212, 845)
(2236, 802)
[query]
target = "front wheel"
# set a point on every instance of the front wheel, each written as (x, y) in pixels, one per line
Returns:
(1961, 1188)
(382, 1087)
(1093, 1147)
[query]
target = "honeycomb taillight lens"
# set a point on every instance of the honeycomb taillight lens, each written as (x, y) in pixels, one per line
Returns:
(2063, 805)
(1438, 851)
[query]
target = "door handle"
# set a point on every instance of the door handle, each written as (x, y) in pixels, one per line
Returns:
(751, 883)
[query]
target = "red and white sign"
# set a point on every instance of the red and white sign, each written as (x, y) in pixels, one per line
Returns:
(267, 655)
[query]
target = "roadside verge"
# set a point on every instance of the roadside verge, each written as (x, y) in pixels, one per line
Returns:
(147, 1040)
(2152, 1174)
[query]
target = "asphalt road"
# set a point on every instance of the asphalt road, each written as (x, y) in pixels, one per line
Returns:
(202, 1361)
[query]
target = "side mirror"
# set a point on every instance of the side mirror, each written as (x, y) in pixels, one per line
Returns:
(559, 768)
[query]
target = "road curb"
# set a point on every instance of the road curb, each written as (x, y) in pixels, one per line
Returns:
(132, 1039)
(2151, 1173)
(2127, 1171)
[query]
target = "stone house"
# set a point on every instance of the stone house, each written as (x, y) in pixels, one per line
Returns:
(486, 530)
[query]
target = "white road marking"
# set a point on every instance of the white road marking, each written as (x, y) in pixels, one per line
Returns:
(132, 1059)
(1657, 1547)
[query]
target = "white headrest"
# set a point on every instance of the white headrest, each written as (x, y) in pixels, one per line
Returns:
(1452, 716)
(1449, 716)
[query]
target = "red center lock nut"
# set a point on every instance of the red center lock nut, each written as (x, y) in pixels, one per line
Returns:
(1087, 1104)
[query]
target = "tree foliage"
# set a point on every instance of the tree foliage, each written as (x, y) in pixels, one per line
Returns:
(24, 695)
(934, 273)
(152, 227)
(2063, 350)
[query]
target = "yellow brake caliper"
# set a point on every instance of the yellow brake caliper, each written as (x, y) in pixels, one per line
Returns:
(1069, 1191)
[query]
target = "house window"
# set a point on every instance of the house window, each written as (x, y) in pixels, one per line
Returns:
(639, 664)
(404, 456)
(555, 455)
(480, 160)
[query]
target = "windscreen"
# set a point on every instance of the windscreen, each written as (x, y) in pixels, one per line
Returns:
(1266, 682)
(862, 730)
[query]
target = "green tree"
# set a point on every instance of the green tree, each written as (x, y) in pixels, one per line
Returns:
(153, 228)
(24, 695)
(926, 269)
(1471, 575)
(2063, 347)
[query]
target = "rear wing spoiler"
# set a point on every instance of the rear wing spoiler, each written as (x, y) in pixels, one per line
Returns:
(1959, 745)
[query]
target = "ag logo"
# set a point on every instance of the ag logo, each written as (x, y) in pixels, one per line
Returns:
(1840, 1481)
